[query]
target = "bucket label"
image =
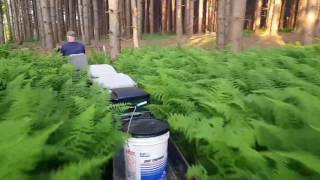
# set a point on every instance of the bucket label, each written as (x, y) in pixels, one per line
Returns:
(130, 159)
(154, 169)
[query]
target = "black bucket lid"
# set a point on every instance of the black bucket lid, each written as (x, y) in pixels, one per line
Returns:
(121, 94)
(144, 128)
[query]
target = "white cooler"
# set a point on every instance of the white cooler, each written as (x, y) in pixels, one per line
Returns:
(114, 81)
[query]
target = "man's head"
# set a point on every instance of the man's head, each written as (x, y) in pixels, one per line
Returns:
(71, 36)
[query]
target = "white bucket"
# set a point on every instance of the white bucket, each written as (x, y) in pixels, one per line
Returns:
(146, 158)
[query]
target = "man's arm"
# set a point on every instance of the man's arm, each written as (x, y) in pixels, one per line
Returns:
(62, 50)
(84, 49)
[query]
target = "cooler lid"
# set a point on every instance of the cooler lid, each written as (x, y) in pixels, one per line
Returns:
(146, 127)
(127, 93)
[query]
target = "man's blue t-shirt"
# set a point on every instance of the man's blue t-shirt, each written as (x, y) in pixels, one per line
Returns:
(72, 48)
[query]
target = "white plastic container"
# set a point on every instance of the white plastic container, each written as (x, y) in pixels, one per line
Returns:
(114, 81)
(101, 70)
(146, 152)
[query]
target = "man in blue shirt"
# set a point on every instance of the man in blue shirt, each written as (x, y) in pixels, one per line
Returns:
(72, 46)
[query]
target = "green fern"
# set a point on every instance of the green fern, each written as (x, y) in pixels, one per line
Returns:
(249, 115)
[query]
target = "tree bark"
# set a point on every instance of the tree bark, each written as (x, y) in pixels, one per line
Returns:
(164, 16)
(174, 16)
(257, 15)
(16, 27)
(151, 16)
(191, 18)
(200, 16)
(146, 19)
(273, 17)
(96, 21)
(179, 19)
(293, 13)
(122, 17)
(221, 43)
(86, 21)
(41, 24)
(236, 25)
(47, 24)
(80, 10)
(9, 19)
(186, 16)
(309, 24)
(168, 15)
(72, 14)
(208, 6)
(2, 38)
(135, 24)
(53, 21)
(140, 20)
(227, 20)
(301, 14)
(128, 18)
(114, 29)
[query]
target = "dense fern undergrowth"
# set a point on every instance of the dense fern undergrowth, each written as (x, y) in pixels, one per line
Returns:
(53, 125)
(249, 115)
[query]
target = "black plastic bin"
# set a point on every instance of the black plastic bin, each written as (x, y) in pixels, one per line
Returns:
(131, 95)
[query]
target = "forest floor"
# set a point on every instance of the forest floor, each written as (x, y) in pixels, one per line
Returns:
(206, 41)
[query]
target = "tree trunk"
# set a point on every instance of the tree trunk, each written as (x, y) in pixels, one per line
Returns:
(269, 15)
(164, 16)
(151, 16)
(80, 9)
(122, 17)
(91, 23)
(174, 15)
(16, 21)
(41, 24)
(273, 17)
(208, 5)
(72, 13)
(257, 15)
(128, 18)
(227, 20)
(221, 42)
(145, 23)
(2, 38)
(107, 14)
(179, 19)
(168, 15)
(140, 22)
(317, 26)
(86, 21)
(200, 17)
(186, 16)
(47, 24)
(301, 14)
(293, 13)
(9, 19)
(215, 16)
(283, 17)
(59, 20)
(191, 18)
(237, 22)
(309, 24)
(114, 29)
(135, 23)
(96, 21)
(53, 21)
(26, 19)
